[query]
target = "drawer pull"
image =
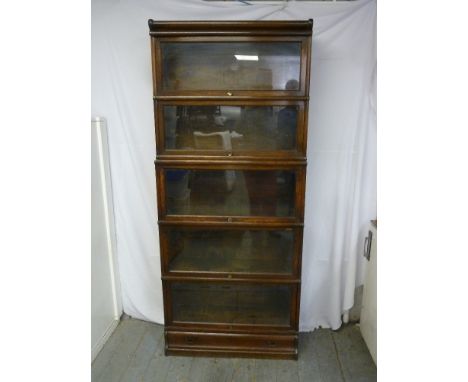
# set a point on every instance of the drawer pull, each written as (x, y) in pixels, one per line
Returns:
(271, 343)
(229, 93)
(191, 339)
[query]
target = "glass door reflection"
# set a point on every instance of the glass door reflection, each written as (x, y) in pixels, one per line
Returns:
(223, 66)
(258, 251)
(230, 192)
(231, 304)
(230, 127)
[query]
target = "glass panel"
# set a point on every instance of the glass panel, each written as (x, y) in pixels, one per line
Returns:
(231, 66)
(230, 192)
(230, 128)
(231, 304)
(232, 251)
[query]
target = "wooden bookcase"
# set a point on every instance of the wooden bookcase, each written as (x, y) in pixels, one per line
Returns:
(230, 104)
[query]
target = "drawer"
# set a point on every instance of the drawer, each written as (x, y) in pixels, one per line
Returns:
(225, 341)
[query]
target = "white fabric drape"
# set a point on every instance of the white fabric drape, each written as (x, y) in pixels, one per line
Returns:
(341, 174)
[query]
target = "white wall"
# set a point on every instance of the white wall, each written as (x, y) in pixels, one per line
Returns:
(106, 305)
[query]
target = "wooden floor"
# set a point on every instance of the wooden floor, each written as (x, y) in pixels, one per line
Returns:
(135, 352)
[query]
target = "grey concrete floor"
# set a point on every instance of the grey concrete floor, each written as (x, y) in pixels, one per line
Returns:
(135, 352)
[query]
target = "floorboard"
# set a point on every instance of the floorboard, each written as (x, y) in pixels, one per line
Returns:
(264, 370)
(99, 366)
(152, 339)
(199, 369)
(158, 367)
(307, 364)
(323, 349)
(356, 361)
(132, 335)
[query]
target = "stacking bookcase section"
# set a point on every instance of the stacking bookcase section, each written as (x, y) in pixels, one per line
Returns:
(236, 305)
(229, 191)
(228, 251)
(231, 128)
(231, 110)
(254, 59)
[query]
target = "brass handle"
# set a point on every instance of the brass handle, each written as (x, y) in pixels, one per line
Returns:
(229, 220)
(229, 93)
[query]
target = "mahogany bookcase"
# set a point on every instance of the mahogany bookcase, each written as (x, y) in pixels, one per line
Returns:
(231, 105)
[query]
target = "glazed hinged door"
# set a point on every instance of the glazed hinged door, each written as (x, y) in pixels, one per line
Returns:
(231, 304)
(243, 60)
(231, 67)
(227, 251)
(231, 128)
(230, 193)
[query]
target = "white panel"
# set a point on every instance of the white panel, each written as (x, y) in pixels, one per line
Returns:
(369, 300)
(106, 306)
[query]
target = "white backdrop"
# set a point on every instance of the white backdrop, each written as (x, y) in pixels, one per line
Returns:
(341, 174)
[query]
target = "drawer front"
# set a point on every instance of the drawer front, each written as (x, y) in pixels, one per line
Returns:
(264, 193)
(225, 251)
(231, 128)
(230, 341)
(230, 68)
(232, 304)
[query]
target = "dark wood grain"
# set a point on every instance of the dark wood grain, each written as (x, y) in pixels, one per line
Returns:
(200, 343)
(230, 28)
